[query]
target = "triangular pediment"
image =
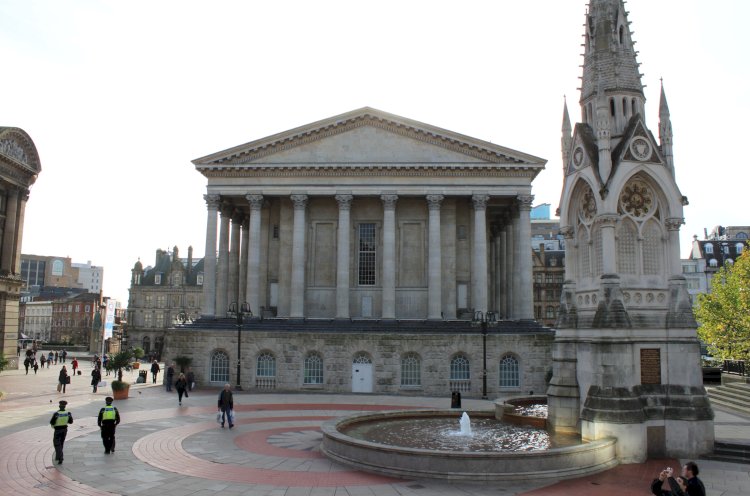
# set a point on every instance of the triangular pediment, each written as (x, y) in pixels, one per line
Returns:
(367, 136)
(583, 151)
(637, 145)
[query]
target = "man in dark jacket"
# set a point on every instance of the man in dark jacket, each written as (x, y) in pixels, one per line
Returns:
(59, 422)
(226, 405)
(108, 419)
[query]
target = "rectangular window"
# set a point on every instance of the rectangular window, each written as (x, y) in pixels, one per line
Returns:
(367, 254)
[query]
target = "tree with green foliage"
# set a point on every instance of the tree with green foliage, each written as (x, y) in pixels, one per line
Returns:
(724, 313)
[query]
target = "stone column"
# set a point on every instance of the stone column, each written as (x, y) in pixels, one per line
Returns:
(435, 269)
(252, 291)
(673, 252)
(479, 258)
(389, 255)
(497, 282)
(297, 306)
(233, 293)
(209, 262)
(222, 278)
(607, 223)
(9, 231)
(242, 279)
(516, 281)
(343, 256)
(23, 198)
(525, 266)
(571, 255)
(502, 258)
(508, 286)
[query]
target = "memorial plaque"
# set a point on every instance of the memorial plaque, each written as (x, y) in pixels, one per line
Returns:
(650, 366)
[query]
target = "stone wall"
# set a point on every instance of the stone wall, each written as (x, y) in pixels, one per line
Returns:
(338, 350)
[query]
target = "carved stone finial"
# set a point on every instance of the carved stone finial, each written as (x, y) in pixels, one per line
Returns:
(299, 201)
(212, 201)
(255, 201)
(434, 201)
(389, 201)
(480, 201)
(344, 201)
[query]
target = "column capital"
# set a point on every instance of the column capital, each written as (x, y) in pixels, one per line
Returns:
(525, 201)
(212, 201)
(344, 201)
(299, 201)
(608, 220)
(568, 232)
(389, 201)
(480, 201)
(434, 201)
(255, 201)
(674, 223)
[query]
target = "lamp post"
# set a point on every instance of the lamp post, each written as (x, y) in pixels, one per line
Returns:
(238, 311)
(484, 319)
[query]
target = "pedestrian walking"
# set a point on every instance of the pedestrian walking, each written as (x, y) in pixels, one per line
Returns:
(154, 371)
(74, 364)
(226, 405)
(55, 357)
(42, 360)
(96, 377)
(63, 379)
(36, 366)
(59, 422)
(105, 359)
(63, 355)
(170, 376)
(26, 365)
(190, 376)
(181, 386)
(108, 419)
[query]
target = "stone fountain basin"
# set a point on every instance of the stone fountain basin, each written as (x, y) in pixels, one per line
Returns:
(416, 463)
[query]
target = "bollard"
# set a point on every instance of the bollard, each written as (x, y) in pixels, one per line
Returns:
(456, 399)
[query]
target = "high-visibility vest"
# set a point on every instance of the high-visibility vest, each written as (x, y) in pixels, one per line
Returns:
(109, 413)
(62, 419)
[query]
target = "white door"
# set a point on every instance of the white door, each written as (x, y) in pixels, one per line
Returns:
(361, 378)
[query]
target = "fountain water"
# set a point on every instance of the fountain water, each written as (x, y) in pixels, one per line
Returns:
(465, 424)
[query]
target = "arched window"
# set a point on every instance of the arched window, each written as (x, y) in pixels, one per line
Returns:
(550, 312)
(509, 376)
(313, 372)
(626, 247)
(460, 368)
(622, 34)
(652, 249)
(741, 235)
(728, 262)
(632, 104)
(612, 107)
(219, 368)
(362, 358)
(708, 248)
(146, 345)
(713, 263)
(624, 107)
(265, 371)
(411, 370)
(739, 247)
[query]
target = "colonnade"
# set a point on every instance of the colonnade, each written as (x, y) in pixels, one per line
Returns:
(500, 266)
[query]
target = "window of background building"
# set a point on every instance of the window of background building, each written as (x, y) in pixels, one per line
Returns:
(708, 248)
(313, 369)
(460, 368)
(509, 376)
(219, 368)
(266, 365)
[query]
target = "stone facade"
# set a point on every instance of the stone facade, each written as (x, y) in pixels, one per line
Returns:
(626, 355)
(19, 168)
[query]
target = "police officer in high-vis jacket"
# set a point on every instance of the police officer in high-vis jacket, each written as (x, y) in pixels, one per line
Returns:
(59, 422)
(108, 419)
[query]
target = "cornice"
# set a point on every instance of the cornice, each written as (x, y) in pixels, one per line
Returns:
(367, 170)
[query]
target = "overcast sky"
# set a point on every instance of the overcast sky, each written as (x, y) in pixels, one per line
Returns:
(120, 96)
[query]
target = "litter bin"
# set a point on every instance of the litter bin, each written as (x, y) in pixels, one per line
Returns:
(141, 377)
(455, 399)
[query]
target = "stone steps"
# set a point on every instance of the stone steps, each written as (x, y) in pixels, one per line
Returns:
(734, 396)
(730, 452)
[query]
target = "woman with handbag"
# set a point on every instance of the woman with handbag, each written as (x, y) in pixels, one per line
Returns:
(63, 379)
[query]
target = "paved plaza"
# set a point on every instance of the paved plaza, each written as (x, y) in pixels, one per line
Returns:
(167, 449)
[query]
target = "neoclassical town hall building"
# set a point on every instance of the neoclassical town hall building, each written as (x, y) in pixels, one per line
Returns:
(364, 243)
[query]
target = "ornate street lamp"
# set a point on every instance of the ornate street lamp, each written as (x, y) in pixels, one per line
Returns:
(238, 311)
(484, 319)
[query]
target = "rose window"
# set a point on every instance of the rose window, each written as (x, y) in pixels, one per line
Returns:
(636, 199)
